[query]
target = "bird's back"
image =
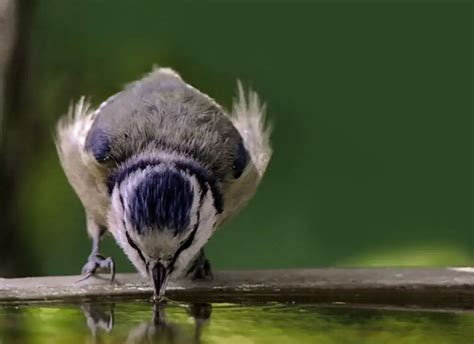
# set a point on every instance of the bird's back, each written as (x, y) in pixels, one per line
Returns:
(162, 112)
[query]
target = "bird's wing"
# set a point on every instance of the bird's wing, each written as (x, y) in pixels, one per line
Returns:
(86, 176)
(248, 117)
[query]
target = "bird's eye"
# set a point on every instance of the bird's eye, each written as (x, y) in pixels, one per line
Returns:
(241, 160)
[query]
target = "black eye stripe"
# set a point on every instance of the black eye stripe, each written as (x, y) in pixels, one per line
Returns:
(130, 241)
(188, 242)
(135, 247)
(205, 180)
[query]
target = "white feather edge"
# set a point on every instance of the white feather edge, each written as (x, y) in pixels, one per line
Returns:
(74, 126)
(248, 117)
(81, 169)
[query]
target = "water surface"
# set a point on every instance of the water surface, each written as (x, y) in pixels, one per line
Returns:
(139, 322)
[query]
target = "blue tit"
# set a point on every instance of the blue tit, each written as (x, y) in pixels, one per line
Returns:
(160, 165)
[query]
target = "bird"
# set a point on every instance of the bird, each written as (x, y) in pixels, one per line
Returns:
(161, 166)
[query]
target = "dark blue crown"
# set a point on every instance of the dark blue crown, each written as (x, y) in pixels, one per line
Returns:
(204, 178)
(162, 200)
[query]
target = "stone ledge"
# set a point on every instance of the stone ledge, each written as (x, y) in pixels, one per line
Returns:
(433, 287)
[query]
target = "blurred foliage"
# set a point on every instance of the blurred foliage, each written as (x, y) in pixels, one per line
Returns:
(372, 106)
(238, 324)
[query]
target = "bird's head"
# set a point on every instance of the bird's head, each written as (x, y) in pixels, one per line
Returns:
(162, 214)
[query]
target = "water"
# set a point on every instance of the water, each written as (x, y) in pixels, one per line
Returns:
(138, 322)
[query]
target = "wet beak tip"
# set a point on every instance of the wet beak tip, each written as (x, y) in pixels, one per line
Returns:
(158, 299)
(160, 278)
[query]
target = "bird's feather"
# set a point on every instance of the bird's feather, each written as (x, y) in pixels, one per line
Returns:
(248, 117)
(82, 170)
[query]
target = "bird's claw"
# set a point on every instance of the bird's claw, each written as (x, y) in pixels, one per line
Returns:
(98, 263)
(159, 301)
(201, 270)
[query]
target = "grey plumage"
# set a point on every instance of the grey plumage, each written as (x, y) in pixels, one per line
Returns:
(155, 128)
(161, 110)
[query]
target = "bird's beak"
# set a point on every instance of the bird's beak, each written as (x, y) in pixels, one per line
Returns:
(159, 274)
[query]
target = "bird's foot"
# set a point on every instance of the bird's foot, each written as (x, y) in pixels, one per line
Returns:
(99, 317)
(98, 263)
(201, 269)
(200, 311)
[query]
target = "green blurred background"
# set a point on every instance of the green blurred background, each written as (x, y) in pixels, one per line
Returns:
(371, 104)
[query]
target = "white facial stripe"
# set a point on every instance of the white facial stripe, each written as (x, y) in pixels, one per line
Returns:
(196, 198)
(118, 230)
(207, 220)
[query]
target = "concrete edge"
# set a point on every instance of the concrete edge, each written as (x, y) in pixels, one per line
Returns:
(429, 287)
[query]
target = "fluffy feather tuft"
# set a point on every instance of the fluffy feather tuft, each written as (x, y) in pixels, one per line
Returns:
(248, 117)
(72, 128)
(82, 170)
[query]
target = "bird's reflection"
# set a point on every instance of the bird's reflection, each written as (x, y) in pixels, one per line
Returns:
(100, 318)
